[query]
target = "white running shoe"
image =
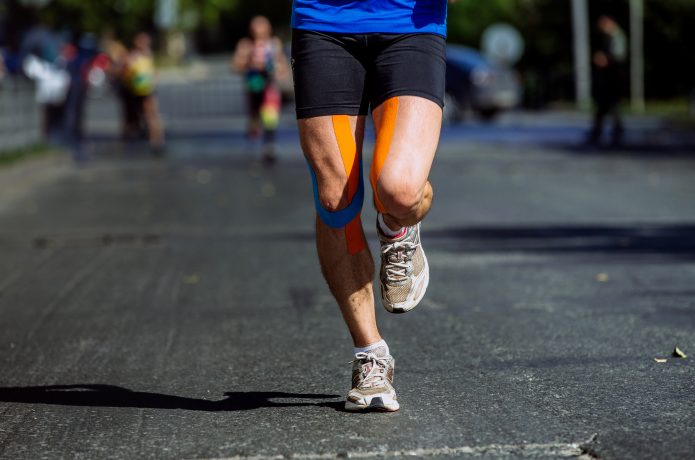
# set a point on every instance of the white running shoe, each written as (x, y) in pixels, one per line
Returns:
(372, 383)
(405, 273)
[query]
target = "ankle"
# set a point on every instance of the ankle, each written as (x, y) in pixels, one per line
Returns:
(388, 230)
(380, 344)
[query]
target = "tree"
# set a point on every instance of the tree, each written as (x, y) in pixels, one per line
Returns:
(216, 25)
(546, 27)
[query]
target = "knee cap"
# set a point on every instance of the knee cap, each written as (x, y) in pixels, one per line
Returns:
(401, 201)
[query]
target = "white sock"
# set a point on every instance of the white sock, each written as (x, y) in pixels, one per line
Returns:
(372, 347)
(385, 228)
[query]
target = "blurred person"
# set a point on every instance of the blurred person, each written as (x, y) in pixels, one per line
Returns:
(139, 77)
(79, 57)
(346, 58)
(52, 86)
(609, 82)
(118, 58)
(12, 62)
(262, 61)
(42, 56)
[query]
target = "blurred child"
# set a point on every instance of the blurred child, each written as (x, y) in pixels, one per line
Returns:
(262, 61)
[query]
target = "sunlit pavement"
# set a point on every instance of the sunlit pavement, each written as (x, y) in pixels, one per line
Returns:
(173, 308)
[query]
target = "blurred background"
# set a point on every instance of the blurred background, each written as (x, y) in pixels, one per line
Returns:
(62, 64)
(159, 292)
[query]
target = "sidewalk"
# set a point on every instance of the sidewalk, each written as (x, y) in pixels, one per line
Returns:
(29, 174)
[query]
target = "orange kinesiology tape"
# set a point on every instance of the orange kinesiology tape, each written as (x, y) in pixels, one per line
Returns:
(384, 136)
(353, 168)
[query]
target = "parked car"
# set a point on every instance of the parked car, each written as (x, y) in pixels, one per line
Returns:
(474, 83)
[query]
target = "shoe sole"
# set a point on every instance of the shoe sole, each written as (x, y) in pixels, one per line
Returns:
(396, 309)
(375, 405)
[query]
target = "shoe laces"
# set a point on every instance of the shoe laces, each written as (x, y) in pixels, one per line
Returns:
(399, 258)
(376, 375)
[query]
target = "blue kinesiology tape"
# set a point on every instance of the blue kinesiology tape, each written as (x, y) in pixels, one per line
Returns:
(339, 219)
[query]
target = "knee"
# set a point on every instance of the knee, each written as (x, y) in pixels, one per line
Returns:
(330, 187)
(400, 198)
(333, 195)
(337, 204)
(334, 205)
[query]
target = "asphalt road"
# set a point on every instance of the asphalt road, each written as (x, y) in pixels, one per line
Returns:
(174, 309)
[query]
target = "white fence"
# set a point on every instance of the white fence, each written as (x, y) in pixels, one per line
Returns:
(19, 115)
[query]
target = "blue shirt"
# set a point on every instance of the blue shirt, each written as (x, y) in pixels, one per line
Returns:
(371, 16)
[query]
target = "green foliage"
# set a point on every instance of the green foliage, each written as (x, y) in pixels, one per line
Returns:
(669, 35)
(469, 18)
(122, 17)
(125, 17)
(546, 26)
(207, 11)
(9, 157)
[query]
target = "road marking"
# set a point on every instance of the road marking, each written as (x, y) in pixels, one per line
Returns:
(554, 450)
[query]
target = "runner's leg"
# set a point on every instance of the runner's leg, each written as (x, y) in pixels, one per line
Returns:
(407, 138)
(331, 81)
(402, 185)
(349, 276)
(254, 100)
(407, 97)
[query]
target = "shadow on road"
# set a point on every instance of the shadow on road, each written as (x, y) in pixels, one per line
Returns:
(94, 395)
(677, 241)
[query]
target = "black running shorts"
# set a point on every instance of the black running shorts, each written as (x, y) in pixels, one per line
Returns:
(339, 74)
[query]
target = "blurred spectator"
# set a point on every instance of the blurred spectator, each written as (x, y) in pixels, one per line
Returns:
(118, 59)
(261, 59)
(12, 62)
(80, 58)
(43, 60)
(609, 59)
(140, 80)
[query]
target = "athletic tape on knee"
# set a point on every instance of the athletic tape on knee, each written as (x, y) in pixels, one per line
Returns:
(352, 162)
(384, 137)
(348, 218)
(338, 219)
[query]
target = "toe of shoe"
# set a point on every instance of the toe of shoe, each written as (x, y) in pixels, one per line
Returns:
(399, 308)
(377, 404)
